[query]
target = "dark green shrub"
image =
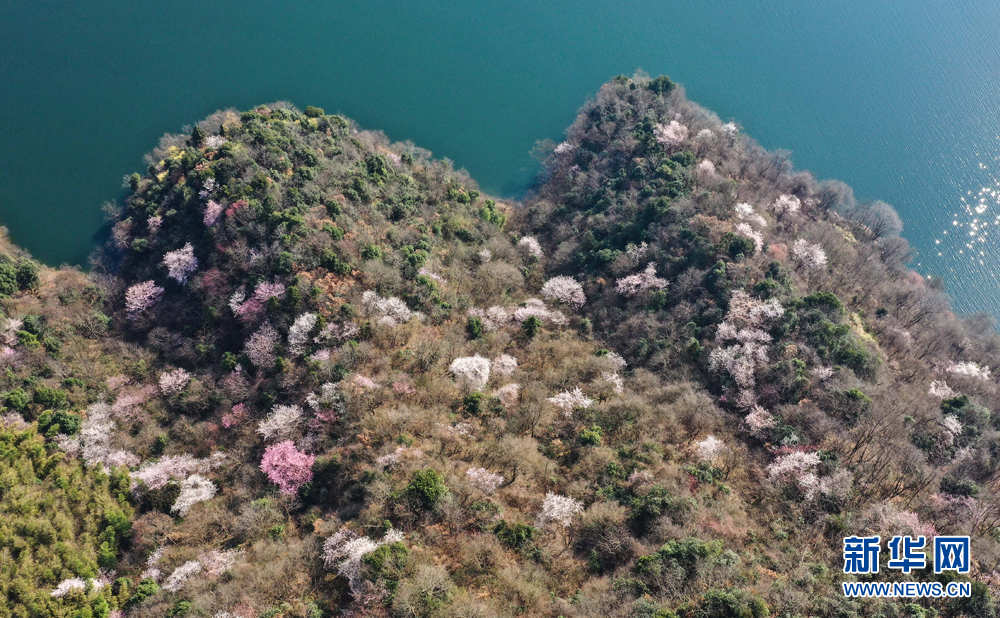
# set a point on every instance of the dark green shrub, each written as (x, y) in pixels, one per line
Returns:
(514, 535)
(427, 488)
(385, 564)
(17, 399)
(59, 421)
(474, 328)
(591, 436)
(52, 398)
(473, 403)
(531, 327)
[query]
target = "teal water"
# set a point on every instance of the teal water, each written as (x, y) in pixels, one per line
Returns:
(897, 99)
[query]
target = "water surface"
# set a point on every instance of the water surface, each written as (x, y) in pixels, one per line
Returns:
(897, 99)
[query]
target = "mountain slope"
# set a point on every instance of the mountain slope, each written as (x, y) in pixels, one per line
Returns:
(342, 380)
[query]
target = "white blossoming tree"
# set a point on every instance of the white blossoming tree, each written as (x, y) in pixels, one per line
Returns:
(181, 263)
(472, 372)
(194, 489)
(559, 510)
(565, 290)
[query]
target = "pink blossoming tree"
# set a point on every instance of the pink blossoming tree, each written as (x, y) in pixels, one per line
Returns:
(140, 297)
(287, 467)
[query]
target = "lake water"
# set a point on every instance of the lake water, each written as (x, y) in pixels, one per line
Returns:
(898, 99)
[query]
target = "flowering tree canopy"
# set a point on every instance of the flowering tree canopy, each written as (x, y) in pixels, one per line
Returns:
(786, 204)
(484, 480)
(471, 371)
(671, 135)
(140, 297)
(259, 347)
(809, 255)
(194, 489)
(173, 382)
(530, 244)
(559, 509)
(280, 423)
(504, 365)
(181, 263)
(646, 280)
(287, 467)
(345, 550)
(299, 333)
(565, 290)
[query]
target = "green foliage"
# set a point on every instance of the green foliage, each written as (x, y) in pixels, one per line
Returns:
(473, 403)
(687, 553)
(17, 399)
(57, 521)
(474, 327)
(649, 506)
(427, 488)
(660, 85)
(27, 275)
(54, 398)
(732, 603)
(143, 590)
(514, 535)
(491, 214)
(385, 564)
(531, 327)
(853, 404)
(60, 421)
(371, 252)
(591, 436)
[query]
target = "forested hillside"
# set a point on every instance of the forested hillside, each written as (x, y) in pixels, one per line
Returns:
(315, 373)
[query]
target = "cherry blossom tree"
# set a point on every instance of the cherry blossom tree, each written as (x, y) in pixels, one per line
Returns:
(969, 369)
(634, 284)
(484, 480)
(212, 212)
(508, 394)
(287, 467)
(300, 331)
(69, 586)
(530, 245)
(392, 308)
(345, 549)
(280, 423)
(759, 420)
(534, 307)
(811, 256)
(173, 382)
(472, 372)
(141, 297)
(235, 417)
(181, 575)
(671, 135)
(194, 489)
(565, 290)
(786, 204)
(709, 448)
(793, 466)
(181, 263)
(744, 229)
(504, 365)
(259, 347)
(940, 389)
(567, 401)
(743, 344)
(559, 509)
